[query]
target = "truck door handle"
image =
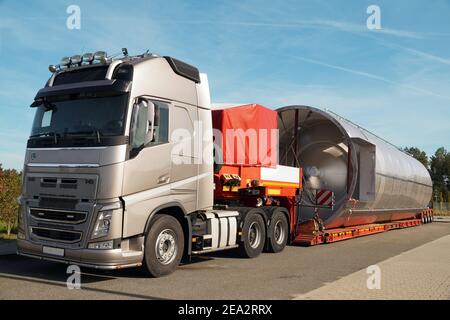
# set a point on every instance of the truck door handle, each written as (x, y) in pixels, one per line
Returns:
(163, 179)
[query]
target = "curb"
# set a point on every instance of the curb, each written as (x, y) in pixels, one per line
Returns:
(441, 219)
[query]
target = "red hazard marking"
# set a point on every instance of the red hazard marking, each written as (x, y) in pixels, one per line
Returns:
(324, 197)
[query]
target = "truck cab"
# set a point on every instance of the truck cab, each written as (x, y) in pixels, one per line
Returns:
(120, 170)
(101, 163)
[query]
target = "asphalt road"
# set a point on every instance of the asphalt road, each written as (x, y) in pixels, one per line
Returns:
(295, 271)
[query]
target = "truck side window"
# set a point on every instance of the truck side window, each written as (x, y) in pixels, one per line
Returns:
(46, 118)
(161, 126)
(140, 118)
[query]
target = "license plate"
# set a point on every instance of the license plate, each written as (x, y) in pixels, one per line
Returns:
(53, 251)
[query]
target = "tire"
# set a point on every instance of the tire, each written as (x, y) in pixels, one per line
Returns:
(164, 246)
(253, 236)
(278, 232)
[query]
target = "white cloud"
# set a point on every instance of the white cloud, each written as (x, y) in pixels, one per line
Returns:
(372, 76)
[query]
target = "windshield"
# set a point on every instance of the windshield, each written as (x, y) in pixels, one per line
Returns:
(66, 116)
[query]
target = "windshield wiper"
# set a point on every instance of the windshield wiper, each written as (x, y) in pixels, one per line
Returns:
(53, 134)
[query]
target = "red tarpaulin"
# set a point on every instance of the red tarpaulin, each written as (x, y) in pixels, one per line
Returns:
(249, 135)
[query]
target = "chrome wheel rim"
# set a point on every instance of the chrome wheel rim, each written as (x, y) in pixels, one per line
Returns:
(166, 246)
(254, 235)
(279, 232)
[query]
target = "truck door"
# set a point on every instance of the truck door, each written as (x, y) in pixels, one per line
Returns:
(149, 165)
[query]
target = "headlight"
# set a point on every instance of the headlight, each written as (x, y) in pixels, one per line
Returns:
(103, 224)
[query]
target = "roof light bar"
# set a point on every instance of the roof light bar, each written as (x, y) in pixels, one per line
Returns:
(99, 55)
(88, 57)
(76, 60)
(65, 61)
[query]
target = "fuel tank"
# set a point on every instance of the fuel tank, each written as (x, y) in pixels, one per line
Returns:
(372, 180)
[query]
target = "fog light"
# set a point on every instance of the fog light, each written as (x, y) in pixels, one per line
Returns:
(101, 245)
(20, 235)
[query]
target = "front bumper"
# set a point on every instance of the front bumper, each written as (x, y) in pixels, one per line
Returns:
(91, 258)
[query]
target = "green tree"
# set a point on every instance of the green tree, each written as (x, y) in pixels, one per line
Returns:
(9, 191)
(440, 174)
(418, 154)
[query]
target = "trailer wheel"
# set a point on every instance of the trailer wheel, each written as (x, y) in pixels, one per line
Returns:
(164, 246)
(254, 235)
(424, 218)
(278, 233)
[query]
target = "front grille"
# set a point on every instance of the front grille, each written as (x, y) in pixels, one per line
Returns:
(58, 215)
(59, 235)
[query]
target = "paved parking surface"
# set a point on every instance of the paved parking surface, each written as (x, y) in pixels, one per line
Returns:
(290, 274)
(422, 273)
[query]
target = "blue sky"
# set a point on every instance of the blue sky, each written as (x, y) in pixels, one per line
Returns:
(394, 81)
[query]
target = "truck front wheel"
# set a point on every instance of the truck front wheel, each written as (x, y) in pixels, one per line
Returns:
(164, 246)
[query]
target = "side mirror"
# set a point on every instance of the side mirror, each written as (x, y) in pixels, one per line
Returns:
(143, 123)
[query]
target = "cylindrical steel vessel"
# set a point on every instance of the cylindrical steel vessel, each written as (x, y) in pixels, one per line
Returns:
(372, 180)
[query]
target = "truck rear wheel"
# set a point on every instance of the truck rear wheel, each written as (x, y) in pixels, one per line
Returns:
(278, 232)
(164, 246)
(254, 235)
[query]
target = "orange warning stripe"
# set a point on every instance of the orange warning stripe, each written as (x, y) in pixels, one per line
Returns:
(279, 184)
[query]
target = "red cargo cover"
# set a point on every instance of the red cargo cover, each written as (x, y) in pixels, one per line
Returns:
(249, 135)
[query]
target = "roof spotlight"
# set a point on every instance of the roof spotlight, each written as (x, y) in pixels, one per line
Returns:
(88, 57)
(76, 59)
(104, 60)
(53, 68)
(65, 61)
(99, 55)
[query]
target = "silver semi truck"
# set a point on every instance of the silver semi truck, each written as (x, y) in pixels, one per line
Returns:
(122, 169)
(104, 185)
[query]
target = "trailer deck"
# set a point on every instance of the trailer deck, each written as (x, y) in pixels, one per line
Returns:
(339, 234)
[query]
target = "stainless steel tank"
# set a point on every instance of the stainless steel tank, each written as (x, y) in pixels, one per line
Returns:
(372, 180)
